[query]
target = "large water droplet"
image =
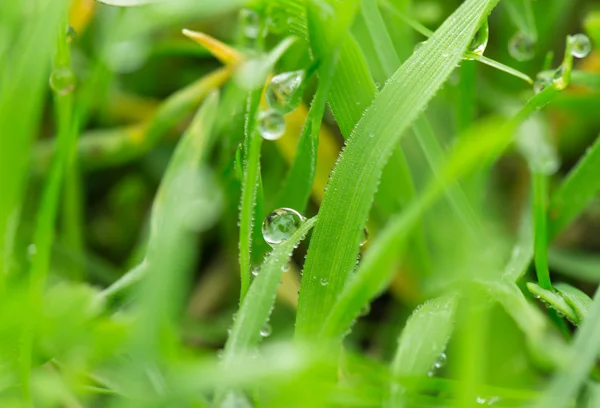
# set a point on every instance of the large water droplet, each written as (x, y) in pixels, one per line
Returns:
(521, 47)
(266, 330)
(280, 225)
(271, 124)
(62, 80)
(581, 45)
(284, 92)
(479, 42)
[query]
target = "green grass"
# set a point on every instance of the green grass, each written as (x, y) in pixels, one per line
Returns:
(133, 267)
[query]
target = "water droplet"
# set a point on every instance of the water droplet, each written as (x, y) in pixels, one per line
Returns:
(441, 361)
(266, 330)
(71, 34)
(365, 310)
(365, 237)
(250, 21)
(558, 78)
(285, 90)
(521, 47)
(255, 272)
(480, 40)
(62, 80)
(271, 124)
(419, 45)
(31, 251)
(237, 164)
(543, 80)
(581, 45)
(324, 281)
(280, 225)
(481, 400)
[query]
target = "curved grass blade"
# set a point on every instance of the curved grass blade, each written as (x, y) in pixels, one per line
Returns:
(374, 272)
(555, 300)
(256, 307)
(579, 301)
(576, 191)
(522, 251)
(422, 342)
(334, 247)
(193, 148)
(584, 350)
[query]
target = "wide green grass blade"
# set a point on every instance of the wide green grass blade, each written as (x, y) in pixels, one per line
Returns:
(584, 351)
(334, 247)
(422, 342)
(374, 271)
(576, 191)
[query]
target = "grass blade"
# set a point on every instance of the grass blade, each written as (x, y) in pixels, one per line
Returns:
(576, 191)
(374, 272)
(334, 247)
(584, 350)
(575, 264)
(423, 340)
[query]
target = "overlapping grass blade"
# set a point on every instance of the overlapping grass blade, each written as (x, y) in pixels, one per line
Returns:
(575, 264)
(346, 204)
(576, 191)
(583, 353)
(422, 342)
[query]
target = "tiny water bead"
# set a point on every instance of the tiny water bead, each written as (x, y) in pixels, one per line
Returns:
(62, 80)
(479, 42)
(280, 225)
(271, 124)
(284, 92)
(266, 330)
(543, 80)
(324, 281)
(365, 237)
(419, 45)
(581, 45)
(521, 47)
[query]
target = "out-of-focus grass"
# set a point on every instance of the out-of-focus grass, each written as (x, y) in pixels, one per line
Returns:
(478, 195)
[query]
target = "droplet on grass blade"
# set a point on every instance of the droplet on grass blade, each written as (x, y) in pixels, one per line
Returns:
(280, 225)
(324, 281)
(62, 80)
(419, 45)
(271, 124)
(266, 330)
(250, 21)
(365, 237)
(479, 42)
(284, 92)
(521, 47)
(581, 45)
(543, 80)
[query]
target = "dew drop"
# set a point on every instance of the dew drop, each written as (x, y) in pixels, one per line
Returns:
(419, 45)
(479, 42)
(251, 23)
(71, 34)
(365, 310)
(255, 272)
(441, 361)
(62, 80)
(266, 330)
(581, 45)
(284, 92)
(543, 80)
(31, 251)
(521, 47)
(324, 281)
(365, 237)
(271, 124)
(280, 225)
